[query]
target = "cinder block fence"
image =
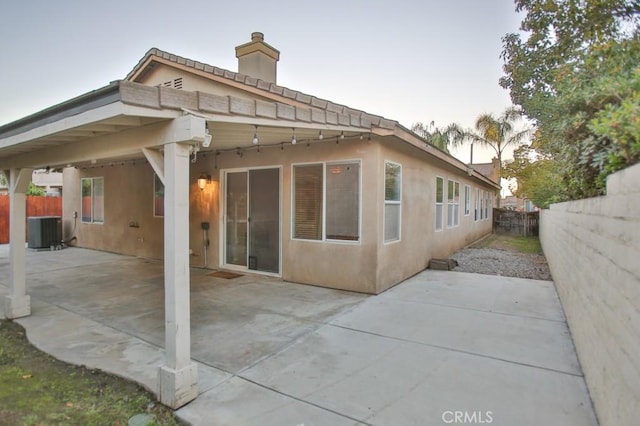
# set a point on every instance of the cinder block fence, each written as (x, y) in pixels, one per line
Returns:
(593, 250)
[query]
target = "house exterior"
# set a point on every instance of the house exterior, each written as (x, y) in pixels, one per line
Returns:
(201, 166)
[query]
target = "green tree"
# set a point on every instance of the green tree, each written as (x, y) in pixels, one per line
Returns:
(441, 138)
(576, 74)
(536, 176)
(35, 191)
(497, 133)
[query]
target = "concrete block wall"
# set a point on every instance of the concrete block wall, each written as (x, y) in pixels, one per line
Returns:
(593, 250)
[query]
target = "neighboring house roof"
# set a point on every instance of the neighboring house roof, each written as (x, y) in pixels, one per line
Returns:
(485, 169)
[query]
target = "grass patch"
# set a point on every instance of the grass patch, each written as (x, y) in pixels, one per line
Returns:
(512, 243)
(37, 389)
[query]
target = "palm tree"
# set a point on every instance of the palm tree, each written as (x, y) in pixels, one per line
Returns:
(440, 138)
(497, 133)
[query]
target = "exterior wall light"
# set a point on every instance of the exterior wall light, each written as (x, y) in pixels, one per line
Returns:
(207, 137)
(203, 180)
(255, 140)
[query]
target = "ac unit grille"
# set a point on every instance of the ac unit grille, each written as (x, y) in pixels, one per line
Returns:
(44, 231)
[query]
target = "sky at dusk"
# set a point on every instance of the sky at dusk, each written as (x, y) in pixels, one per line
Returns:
(407, 60)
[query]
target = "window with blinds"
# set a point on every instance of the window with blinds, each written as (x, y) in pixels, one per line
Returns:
(308, 194)
(326, 203)
(343, 201)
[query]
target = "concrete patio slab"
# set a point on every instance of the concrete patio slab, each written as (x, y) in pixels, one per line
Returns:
(381, 380)
(271, 352)
(241, 402)
(441, 322)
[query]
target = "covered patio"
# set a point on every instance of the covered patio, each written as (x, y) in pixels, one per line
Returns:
(272, 352)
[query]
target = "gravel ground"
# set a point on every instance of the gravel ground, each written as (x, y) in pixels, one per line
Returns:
(491, 261)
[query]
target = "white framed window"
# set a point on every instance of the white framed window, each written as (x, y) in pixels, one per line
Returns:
(342, 195)
(392, 201)
(467, 200)
(481, 193)
(92, 200)
(326, 201)
(439, 203)
(158, 197)
(476, 206)
(487, 201)
(453, 203)
(308, 201)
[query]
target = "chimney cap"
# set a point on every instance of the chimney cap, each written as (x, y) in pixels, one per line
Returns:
(257, 44)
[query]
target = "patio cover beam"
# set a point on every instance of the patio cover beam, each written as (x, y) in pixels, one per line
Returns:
(157, 162)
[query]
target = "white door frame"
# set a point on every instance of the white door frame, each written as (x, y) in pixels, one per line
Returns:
(223, 215)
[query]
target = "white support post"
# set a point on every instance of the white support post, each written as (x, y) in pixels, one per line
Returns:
(178, 378)
(18, 303)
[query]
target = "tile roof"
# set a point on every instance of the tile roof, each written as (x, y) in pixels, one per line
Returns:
(271, 88)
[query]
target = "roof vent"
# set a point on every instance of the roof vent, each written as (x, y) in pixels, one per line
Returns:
(257, 59)
(176, 83)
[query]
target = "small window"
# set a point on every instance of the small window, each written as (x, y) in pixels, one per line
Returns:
(158, 197)
(92, 200)
(392, 201)
(467, 200)
(439, 202)
(476, 204)
(453, 203)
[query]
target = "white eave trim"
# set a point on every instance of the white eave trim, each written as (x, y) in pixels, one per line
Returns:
(92, 116)
(276, 123)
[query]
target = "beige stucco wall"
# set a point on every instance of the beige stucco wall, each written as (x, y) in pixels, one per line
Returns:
(593, 247)
(368, 265)
(419, 241)
(128, 201)
(344, 265)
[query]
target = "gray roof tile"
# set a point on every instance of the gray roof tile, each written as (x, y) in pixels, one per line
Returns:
(323, 110)
(264, 85)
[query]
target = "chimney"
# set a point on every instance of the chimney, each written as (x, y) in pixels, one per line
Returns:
(257, 59)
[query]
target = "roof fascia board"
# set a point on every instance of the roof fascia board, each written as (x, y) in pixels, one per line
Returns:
(126, 143)
(413, 139)
(87, 101)
(90, 116)
(106, 112)
(141, 68)
(276, 123)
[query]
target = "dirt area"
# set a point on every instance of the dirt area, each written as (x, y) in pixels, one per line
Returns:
(37, 389)
(505, 255)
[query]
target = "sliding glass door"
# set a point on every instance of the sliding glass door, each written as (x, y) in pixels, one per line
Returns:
(252, 219)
